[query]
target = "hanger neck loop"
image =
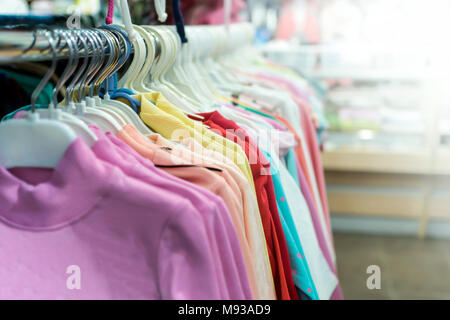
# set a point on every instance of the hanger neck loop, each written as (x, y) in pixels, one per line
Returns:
(179, 20)
(227, 8)
(160, 7)
(125, 13)
(110, 14)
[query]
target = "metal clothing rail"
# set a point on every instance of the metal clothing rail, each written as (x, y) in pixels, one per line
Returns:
(21, 45)
(28, 46)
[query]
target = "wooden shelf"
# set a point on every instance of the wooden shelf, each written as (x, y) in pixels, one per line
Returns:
(415, 162)
(441, 164)
(423, 197)
(375, 204)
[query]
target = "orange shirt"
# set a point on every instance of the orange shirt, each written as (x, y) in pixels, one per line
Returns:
(208, 177)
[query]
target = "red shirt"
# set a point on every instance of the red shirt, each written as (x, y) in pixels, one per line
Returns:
(273, 231)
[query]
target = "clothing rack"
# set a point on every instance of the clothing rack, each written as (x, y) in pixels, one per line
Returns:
(30, 46)
(227, 213)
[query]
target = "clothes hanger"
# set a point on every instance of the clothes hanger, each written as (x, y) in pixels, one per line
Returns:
(214, 39)
(195, 48)
(180, 52)
(206, 65)
(111, 83)
(85, 110)
(231, 60)
(138, 81)
(140, 66)
(38, 143)
(101, 74)
(140, 54)
(69, 98)
(132, 116)
(163, 64)
(202, 37)
(65, 40)
(219, 41)
(126, 17)
(223, 66)
(178, 77)
(246, 58)
(109, 105)
(139, 51)
(138, 46)
(80, 128)
(205, 62)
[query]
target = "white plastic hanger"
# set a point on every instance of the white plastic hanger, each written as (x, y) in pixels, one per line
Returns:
(80, 128)
(164, 64)
(228, 58)
(140, 54)
(160, 7)
(183, 80)
(139, 81)
(218, 39)
(196, 63)
(35, 142)
(125, 14)
(185, 72)
(202, 36)
(208, 66)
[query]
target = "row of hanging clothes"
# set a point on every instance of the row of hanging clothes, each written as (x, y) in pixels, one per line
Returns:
(145, 167)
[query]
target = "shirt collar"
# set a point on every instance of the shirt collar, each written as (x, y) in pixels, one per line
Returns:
(68, 193)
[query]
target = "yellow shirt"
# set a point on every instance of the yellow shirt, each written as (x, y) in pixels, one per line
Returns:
(166, 119)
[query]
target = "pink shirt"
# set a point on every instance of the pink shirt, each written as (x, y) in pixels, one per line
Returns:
(208, 177)
(223, 241)
(128, 239)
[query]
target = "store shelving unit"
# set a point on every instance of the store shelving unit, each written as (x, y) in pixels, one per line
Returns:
(384, 181)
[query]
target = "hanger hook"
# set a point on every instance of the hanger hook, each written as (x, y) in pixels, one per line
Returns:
(32, 44)
(70, 67)
(103, 72)
(71, 88)
(99, 58)
(51, 41)
(92, 63)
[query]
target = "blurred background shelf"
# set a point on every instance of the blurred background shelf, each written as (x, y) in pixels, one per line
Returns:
(348, 159)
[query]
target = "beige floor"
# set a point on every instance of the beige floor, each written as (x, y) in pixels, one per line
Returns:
(410, 268)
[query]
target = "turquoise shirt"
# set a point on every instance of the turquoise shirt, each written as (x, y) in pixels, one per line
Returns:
(292, 166)
(300, 270)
